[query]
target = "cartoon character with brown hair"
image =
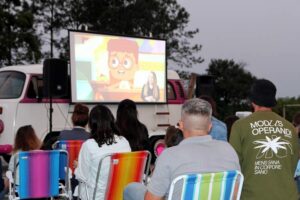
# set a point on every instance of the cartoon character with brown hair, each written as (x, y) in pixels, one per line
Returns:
(122, 62)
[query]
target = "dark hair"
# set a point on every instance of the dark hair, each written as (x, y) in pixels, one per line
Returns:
(229, 121)
(296, 122)
(212, 102)
(130, 127)
(296, 119)
(26, 139)
(102, 125)
(80, 115)
(173, 136)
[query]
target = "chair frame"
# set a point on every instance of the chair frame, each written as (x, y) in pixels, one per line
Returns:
(147, 167)
(199, 175)
(56, 147)
(13, 190)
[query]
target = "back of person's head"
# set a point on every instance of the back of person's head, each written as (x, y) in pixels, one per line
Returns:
(126, 108)
(196, 115)
(26, 139)
(102, 125)
(80, 115)
(129, 125)
(263, 93)
(212, 102)
(173, 136)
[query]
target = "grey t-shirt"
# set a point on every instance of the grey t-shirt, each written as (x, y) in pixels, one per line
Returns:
(199, 154)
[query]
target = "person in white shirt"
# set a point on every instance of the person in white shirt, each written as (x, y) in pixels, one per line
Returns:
(105, 139)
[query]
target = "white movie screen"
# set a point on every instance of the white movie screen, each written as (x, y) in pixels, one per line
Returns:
(108, 68)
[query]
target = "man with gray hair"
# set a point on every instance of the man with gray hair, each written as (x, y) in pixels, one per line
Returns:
(197, 153)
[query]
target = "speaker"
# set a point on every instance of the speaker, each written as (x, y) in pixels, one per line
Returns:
(55, 78)
(204, 85)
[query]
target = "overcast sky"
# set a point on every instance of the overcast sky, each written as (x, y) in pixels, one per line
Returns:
(263, 34)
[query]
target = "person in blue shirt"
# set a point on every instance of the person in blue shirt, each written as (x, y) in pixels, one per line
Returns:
(219, 129)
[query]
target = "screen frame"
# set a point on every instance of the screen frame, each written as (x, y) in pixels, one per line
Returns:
(117, 35)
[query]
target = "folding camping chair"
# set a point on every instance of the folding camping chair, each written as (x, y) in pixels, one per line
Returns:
(73, 148)
(210, 186)
(38, 175)
(124, 168)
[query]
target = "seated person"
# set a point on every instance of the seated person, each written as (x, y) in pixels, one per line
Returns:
(150, 91)
(130, 127)
(219, 129)
(25, 140)
(190, 156)
(80, 119)
(173, 136)
(105, 139)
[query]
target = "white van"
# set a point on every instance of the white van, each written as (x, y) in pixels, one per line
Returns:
(21, 103)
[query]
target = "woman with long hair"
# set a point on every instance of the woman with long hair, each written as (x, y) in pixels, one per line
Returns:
(130, 127)
(150, 91)
(25, 140)
(105, 138)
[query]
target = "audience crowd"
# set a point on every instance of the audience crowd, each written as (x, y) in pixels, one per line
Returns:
(263, 146)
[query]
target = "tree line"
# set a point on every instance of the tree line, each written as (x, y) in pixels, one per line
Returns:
(34, 30)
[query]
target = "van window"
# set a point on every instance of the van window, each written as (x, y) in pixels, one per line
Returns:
(179, 86)
(11, 84)
(35, 87)
(171, 92)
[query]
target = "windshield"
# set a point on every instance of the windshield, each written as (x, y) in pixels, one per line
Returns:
(11, 84)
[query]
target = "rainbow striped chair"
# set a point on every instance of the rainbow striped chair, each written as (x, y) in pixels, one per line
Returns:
(211, 186)
(124, 169)
(73, 148)
(38, 175)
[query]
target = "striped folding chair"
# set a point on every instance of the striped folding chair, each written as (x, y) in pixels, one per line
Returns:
(38, 175)
(73, 148)
(125, 168)
(211, 186)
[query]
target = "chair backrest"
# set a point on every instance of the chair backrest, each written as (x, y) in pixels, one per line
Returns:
(124, 169)
(38, 173)
(73, 148)
(210, 186)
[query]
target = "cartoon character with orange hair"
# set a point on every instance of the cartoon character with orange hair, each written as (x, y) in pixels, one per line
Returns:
(122, 62)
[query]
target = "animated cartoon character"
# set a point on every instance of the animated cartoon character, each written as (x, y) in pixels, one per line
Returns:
(122, 62)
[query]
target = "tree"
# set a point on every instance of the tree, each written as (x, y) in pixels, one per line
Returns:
(161, 19)
(232, 85)
(18, 42)
(291, 106)
(52, 16)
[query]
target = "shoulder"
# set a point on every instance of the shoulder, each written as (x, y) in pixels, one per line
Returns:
(169, 153)
(120, 140)
(223, 147)
(218, 122)
(64, 132)
(90, 144)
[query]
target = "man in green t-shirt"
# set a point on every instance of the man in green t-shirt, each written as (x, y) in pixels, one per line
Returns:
(267, 148)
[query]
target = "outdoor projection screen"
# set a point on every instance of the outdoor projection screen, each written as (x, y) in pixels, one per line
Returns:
(110, 68)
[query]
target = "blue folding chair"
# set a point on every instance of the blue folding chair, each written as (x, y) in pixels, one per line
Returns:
(210, 186)
(38, 175)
